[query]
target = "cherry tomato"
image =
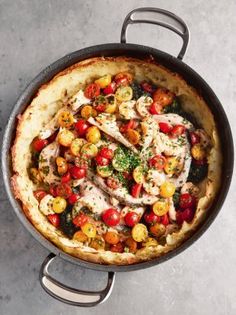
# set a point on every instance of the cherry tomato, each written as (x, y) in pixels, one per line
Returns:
(118, 248)
(101, 108)
(132, 124)
(102, 161)
(165, 127)
(112, 182)
(127, 175)
(186, 215)
(131, 218)
(147, 87)
(112, 237)
(77, 172)
(194, 138)
(178, 130)
(66, 178)
(52, 190)
(92, 90)
(155, 108)
(111, 217)
(63, 190)
(106, 153)
(110, 89)
(151, 218)
(39, 144)
(80, 219)
(163, 97)
(81, 127)
(200, 162)
(54, 219)
(158, 162)
(136, 190)
(165, 219)
(39, 194)
(123, 78)
(186, 200)
(73, 198)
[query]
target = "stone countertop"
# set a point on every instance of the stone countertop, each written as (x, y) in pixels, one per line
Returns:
(33, 34)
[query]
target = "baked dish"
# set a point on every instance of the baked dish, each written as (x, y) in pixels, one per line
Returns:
(116, 160)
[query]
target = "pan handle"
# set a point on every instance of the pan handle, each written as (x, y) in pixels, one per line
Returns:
(70, 295)
(165, 19)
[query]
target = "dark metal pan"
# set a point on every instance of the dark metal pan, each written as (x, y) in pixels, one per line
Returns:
(172, 22)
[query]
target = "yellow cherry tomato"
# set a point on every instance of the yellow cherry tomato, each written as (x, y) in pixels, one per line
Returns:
(80, 237)
(111, 104)
(93, 134)
(112, 237)
(89, 150)
(97, 243)
(160, 207)
(62, 166)
(65, 119)
(172, 165)
(157, 229)
(65, 137)
(104, 171)
(124, 93)
(89, 229)
(133, 136)
(76, 145)
(150, 241)
(88, 111)
(139, 232)
(104, 81)
(59, 204)
(198, 152)
(60, 161)
(167, 189)
(138, 175)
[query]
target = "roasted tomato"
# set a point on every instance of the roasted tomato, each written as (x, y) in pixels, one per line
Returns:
(111, 217)
(104, 81)
(102, 161)
(131, 218)
(151, 218)
(194, 137)
(77, 172)
(112, 237)
(178, 130)
(158, 162)
(113, 182)
(73, 198)
(163, 97)
(132, 124)
(186, 215)
(106, 153)
(131, 244)
(54, 219)
(52, 190)
(80, 219)
(123, 78)
(81, 127)
(186, 200)
(118, 248)
(155, 108)
(66, 178)
(147, 87)
(165, 127)
(92, 90)
(93, 134)
(39, 194)
(165, 219)
(39, 144)
(136, 190)
(110, 89)
(63, 190)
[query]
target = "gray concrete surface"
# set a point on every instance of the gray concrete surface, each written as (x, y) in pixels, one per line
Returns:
(35, 33)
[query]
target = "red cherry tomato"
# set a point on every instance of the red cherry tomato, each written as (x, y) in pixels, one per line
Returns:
(147, 87)
(127, 175)
(106, 153)
(39, 194)
(110, 89)
(81, 127)
(73, 198)
(112, 182)
(178, 130)
(52, 190)
(132, 124)
(111, 217)
(92, 90)
(155, 108)
(187, 201)
(54, 219)
(151, 218)
(200, 162)
(77, 172)
(118, 248)
(101, 107)
(163, 97)
(194, 138)
(131, 218)
(165, 219)
(102, 161)
(123, 78)
(186, 215)
(39, 144)
(63, 190)
(136, 190)
(66, 178)
(165, 127)
(80, 219)
(158, 162)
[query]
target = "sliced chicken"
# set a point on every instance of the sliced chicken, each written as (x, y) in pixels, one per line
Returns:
(107, 123)
(149, 129)
(143, 104)
(128, 111)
